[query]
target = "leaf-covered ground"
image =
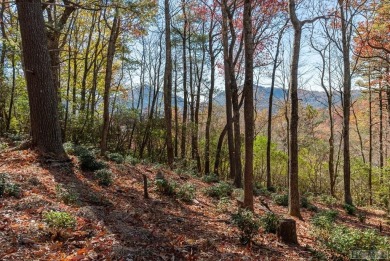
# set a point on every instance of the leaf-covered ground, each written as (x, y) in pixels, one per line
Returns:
(117, 223)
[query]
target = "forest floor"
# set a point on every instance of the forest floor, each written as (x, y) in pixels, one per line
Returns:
(118, 223)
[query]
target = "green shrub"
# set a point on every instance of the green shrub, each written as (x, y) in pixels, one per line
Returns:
(223, 204)
(220, 190)
(328, 200)
(13, 190)
(88, 160)
(66, 196)
(312, 208)
(69, 148)
(104, 177)
(343, 240)
(3, 146)
(280, 200)
(247, 224)
(165, 187)
(131, 160)
(304, 202)
(210, 178)
(116, 157)
(324, 219)
(186, 192)
(258, 190)
(59, 220)
(269, 222)
(350, 209)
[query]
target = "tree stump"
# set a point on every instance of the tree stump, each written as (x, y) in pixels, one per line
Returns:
(287, 231)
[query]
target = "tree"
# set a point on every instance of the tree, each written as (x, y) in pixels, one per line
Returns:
(45, 127)
(168, 84)
(248, 105)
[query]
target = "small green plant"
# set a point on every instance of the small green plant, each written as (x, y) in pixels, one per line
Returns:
(131, 160)
(165, 187)
(280, 200)
(304, 202)
(269, 222)
(324, 219)
(3, 146)
(88, 161)
(259, 190)
(328, 200)
(13, 190)
(350, 209)
(186, 192)
(223, 204)
(104, 177)
(210, 178)
(220, 190)
(59, 220)
(312, 208)
(343, 240)
(69, 148)
(67, 196)
(116, 157)
(247, 224)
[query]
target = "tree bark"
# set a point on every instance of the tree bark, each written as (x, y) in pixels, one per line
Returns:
(168, 84)
(248, 106)
(45, 126)
(107, 81)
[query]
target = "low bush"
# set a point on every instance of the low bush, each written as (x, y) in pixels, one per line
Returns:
(59, 220)
(210, 178)
(116, 157)
(67, 196)
(248, 225)
(328, 200)
(280, 200)
(88, 160)
(186, 192)
(350, 209)
(343, 240)
(166, 187)
(104, 177)
(131, 160)
(220, 190)
(269, 222)
(324, 219)
(8, 188)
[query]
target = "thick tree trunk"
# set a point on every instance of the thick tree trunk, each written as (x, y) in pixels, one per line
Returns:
(248, 106)
(107, 81)
(168, 84)
(185, 91)
(45, 126)
(287, 231)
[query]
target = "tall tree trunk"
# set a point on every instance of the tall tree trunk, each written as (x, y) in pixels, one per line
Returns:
(270, 104)
(107, 81)
(45, 126)
(228, 91)
(210, 101)
(168, 84)
(370, 136)
(346, 104)
(380, 134)
(185, 91)
(248, 106)
(293, 206)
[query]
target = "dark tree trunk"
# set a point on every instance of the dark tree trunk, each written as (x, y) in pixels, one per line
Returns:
(168, 84)
(287, 231)
(107, 81)
(248, 106)
(185, 91)
(45, 126)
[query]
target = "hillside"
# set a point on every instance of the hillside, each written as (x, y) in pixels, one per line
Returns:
(117, 223)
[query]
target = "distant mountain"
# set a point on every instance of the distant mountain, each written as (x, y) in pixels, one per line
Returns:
(317, 99)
